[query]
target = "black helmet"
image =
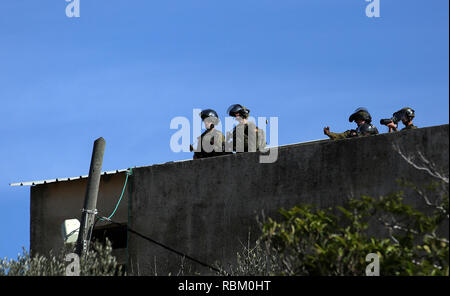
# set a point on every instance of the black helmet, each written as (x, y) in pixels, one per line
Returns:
(405, 113)
(236, 108)
(361, 113)
(367, 129)
(210, 113)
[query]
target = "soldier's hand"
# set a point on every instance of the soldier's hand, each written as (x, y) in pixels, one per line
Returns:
(326, 130)
(392, 126)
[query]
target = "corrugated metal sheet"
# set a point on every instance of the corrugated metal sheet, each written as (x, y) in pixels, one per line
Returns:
(32, 183)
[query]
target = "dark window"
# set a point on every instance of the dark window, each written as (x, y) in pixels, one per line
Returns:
(116, 234)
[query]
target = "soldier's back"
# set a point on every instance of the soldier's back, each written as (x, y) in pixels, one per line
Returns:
(211, 143)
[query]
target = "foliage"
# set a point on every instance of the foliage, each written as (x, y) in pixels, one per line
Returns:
(252, 261)
(97, 262)
(314, 241)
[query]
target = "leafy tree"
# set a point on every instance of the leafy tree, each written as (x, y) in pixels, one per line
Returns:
(314, 241)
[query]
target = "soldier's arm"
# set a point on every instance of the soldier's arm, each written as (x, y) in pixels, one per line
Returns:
(409, 127)
(198, 155)
(338, 136)
(334, 136)
(198, 152)
(222, 147)
(392, 127)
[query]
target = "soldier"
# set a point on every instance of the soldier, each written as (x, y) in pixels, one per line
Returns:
(363, 120)
(211, 142)
(406, 115)
(247, 137)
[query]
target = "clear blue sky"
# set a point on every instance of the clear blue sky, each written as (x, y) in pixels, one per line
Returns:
(124, 69)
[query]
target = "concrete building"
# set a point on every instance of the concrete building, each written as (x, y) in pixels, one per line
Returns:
(206, 208)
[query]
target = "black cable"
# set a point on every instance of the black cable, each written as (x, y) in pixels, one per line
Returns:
(166, 247)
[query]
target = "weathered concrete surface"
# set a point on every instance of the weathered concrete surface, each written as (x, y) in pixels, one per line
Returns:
(51, 204)
(207, 207)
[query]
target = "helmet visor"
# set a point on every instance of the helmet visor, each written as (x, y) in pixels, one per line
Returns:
(210, 116)
(405, 113)
(360, 113)
(233, 109)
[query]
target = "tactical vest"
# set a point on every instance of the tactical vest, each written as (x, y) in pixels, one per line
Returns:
(248, 138)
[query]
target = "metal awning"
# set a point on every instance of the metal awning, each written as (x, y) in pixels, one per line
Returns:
(32, 183)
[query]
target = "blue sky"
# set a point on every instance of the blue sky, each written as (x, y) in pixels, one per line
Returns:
(124, 69)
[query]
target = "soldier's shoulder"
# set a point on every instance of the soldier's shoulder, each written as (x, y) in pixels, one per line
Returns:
(409, 127)
(374, 129)
(217, 132)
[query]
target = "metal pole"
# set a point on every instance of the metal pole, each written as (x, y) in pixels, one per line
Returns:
(90, 201)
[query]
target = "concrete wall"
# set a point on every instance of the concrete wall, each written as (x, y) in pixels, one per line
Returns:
(207, 207)
(52, 203)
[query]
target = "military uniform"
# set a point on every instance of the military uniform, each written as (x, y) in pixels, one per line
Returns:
(408, 127)
(246, 137)
(344, 135)
(365, 129)
(216, 145)
(406, 114)
(249, 137)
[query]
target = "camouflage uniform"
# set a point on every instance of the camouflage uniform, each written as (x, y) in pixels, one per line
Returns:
(408, 127)
(344, 135)
(217, 142)
(255, 141)
(365, 129)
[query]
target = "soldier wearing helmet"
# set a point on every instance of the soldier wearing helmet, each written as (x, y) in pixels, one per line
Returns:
(363, 121)
(211, 142)
(406, 115)
(246, 136)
